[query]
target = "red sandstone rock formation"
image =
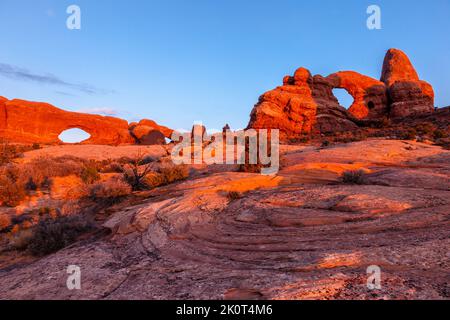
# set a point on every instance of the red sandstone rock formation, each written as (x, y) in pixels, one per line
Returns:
(148, 132)
(370, 95)
(409, 95)
(33, 122)
(306, 104)
(302, 105)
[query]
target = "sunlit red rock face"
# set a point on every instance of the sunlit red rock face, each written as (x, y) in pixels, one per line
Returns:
(148, 132)
(303, 104)
(306, 104)
(409, 95)
(370, 95)
(33, 122)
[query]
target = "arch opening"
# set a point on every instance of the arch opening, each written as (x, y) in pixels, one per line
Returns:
(74, 135)
(371, 105)
(344, 98)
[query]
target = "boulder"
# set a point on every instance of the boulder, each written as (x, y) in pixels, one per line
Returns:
(409, 95)
(167, 132)
(146, 135)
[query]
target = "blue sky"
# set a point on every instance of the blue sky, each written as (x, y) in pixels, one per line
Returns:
(183, 61)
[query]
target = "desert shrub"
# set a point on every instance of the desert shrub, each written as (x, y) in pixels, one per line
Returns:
(35, 146)
(354, 177)
(439, 134)
(250, 168)
(444, 143)
(174, 173)
(325, 143)
(234, 195)
(48, 212)
(52, 235)
(109, 191)
(425, 128)
(410, 134)
(89, 175)
(167, 174)
(385, 122)
(154, 180)
(147, 159)
(31, 185)
(112, 167)
(8, 152)
(5, 222)
(12, 189)
(21, 239)
(301, 139)
(42, 169)
(128, 160)
(135, 173)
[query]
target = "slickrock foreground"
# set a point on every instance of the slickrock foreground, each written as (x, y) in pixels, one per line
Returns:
(299, 235)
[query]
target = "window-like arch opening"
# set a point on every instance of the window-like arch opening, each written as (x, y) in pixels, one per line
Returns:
(343, 97)
(74, 135)
(371, 105)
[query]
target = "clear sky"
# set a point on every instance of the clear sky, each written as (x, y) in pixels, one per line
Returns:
(188, 60)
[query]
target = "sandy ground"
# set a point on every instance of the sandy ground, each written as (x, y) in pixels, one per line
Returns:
(301, 234)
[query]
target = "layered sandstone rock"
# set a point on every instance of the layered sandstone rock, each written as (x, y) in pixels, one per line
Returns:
(300, 235)
(33, 122)
(303, 104)
(148, 132)
(409, 95)
(370, 95)
(306, 104)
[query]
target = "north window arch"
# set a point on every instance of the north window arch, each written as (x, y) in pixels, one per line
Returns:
(74, 135)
